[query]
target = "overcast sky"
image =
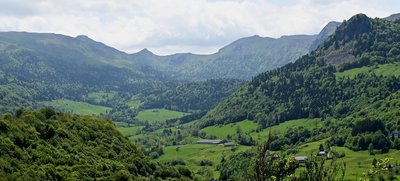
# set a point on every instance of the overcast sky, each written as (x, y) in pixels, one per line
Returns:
(172, 26)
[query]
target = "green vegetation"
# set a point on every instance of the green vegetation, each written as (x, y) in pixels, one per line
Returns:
(222, 131)
(282, 128)
(348, 88)
(357, 162)
(46, 145)
(77, 107)
(159, 115)
(129, 131)
(194, 96)
(134, 103)
(392, 69)
(193, 154)
(100, 97)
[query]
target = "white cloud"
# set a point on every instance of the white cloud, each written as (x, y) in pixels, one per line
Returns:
(169, 26)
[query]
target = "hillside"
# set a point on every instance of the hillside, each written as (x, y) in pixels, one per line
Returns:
(40, 67)
(343, 97)
(48, 145)
(241, 59)
(309, 88)
(194, 96)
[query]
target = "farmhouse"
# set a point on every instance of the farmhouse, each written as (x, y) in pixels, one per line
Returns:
(227, 144)
(300, 158)
(322, 153)
(206, 141)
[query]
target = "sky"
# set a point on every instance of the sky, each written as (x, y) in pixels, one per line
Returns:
(179, 26)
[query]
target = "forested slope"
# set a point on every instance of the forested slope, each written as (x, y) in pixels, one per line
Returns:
(309, 87)
(48, 145)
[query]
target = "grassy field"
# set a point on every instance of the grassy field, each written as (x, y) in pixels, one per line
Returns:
(222, 132)
(385, 70)
(159, 115)
(193, 154)
(121, 124)
(134, 103)
(283, 127)
(356, 162)
(101, 96)
(130, 131)
(77, 107)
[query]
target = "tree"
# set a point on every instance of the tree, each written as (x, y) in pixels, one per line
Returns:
(371, 149)
(270, 165)
(317, 169)
(321, 147)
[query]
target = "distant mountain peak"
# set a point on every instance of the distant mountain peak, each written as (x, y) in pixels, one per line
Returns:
(328, 30)
(145, 52)
(393, 17)
(83, 37)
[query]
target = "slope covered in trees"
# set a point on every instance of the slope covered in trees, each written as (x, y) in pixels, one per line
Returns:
(309, 88)
(48, 145)
(194, 96)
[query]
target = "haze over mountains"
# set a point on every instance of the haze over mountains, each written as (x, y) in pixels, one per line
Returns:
(242, 59)
(46, 66)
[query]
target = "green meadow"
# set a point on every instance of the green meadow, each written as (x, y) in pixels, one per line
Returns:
(130, 131)
(101, 96)
(308, 123)
(159, 115)
(222, 132)
(357, 162)
(77, 107)
(392, 69)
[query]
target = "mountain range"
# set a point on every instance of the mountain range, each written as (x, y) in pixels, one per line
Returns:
(44, 66)
(242, 59)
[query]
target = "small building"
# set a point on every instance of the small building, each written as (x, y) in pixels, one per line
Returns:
(228, 144)
(394, 134)
(207, 141)
(322, 153)
(301, 158)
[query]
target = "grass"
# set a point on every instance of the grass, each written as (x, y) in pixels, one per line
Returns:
(356, 162)
(283, 127)
(121, 124)
(130, 131)
(222, 132)
(134, 103)
(101, 96)
(192, 154)
(159, 115)
(77, 107)
(392, 69)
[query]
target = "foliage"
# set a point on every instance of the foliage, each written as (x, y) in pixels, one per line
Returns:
(194, 96)
(49, 145)
(309, 88)
(317, 168)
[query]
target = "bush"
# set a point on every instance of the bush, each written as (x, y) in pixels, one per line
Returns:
(154, 155)
(206, 163)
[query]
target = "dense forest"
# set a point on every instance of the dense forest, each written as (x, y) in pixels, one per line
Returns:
(194, 96)
(49, 145)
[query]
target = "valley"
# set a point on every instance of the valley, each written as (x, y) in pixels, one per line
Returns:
(269, 108)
